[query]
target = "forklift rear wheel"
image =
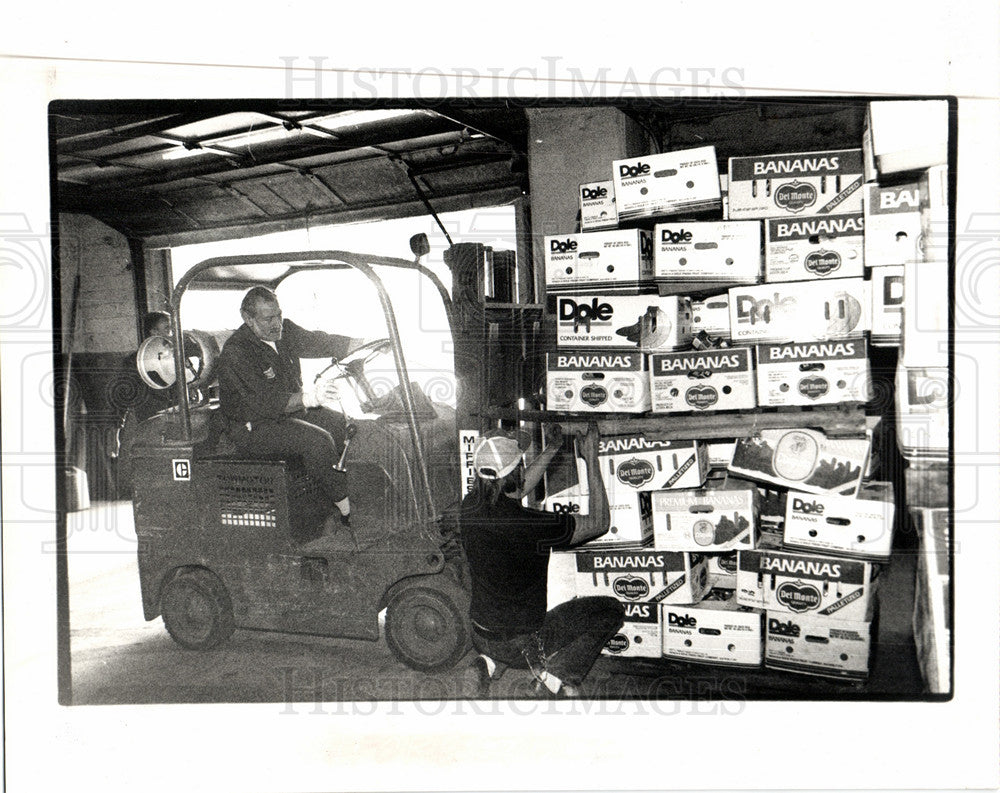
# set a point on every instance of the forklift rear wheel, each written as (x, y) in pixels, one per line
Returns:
(427, 623)
(197, 610)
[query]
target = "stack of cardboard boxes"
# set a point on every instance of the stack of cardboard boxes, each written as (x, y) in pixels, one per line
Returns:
(763, 549)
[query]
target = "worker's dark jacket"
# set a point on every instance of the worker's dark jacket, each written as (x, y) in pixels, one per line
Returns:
(255, 383)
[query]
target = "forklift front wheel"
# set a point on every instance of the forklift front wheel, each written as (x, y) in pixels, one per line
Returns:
(197, 610)
(427, 623)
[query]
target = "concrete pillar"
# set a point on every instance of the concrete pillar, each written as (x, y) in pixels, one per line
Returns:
(566, 148)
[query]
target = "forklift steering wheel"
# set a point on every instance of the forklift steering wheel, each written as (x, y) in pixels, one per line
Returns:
(360, 356)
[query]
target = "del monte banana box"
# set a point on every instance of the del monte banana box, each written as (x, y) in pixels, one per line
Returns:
(702, 380)
(671, 183)
(715, 631)
(814, 247)
(815, 646)
(636, 463)
(803, 183)
(597, 206)
(803, 583)
(707, 251)
(647, 322)
(799, 311)
(618, 260)
(640, 635)
(859, 527)
(642, 576)
(817, 373)
(709, 520)
(597, 381)
(892, 224)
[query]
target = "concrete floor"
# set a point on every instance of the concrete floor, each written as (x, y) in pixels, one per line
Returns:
(119, 658)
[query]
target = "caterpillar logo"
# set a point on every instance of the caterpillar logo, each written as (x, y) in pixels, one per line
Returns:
(562, 246)
(632, 171)
(593, 193)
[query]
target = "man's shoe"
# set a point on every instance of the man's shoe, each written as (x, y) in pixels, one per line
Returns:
(541, 691)
(476, 682)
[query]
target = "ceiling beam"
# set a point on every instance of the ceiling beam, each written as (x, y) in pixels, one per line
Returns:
(125, 132)
(474, 124)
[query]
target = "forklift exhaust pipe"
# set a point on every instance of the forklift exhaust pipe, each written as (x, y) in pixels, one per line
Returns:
(349, 432)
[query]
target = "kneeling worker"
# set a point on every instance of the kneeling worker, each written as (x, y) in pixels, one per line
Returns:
(507, 547)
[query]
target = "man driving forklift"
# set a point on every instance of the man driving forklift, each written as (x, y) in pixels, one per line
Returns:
(267, 410)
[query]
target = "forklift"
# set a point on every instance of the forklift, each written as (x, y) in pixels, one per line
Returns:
(227, 542)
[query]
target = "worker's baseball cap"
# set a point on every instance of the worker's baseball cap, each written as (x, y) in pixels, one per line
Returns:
(496, 457)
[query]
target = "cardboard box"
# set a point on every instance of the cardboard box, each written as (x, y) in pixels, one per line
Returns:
(707, 251)
(597, 206)
(715, 631)
(818, 373)
(925, 315)
(618, 261)
(892, 224)
(712, 316)
(722, 570)
(803, 459)
(922, 397)
(631, 522)
(906, 135)
(640, 636)
(814, 646)
(634, 463)
(724, 190)
(799, 311)
(704, 520)
(672, 183)
(887, 305)
(597, 381)
(801, 183)
(647, 576)
(858, 527)
(820, 247)
(825, 587)
(720, 453)
(706, 380)
(934, 214)
(647, 322)
(931, 615)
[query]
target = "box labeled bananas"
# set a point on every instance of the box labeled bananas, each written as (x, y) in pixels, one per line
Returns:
(803, 583)
(667, 184)
(647, 322)
(715, 631)
(892, 224)
(636, 463)
(704, 520)
(787, 185)
(642, 576)
(815, 373)
(859, 527)
(597, 381)
(722, 570)
(597, 206)
(702, 380)
(640, 636)
(707, 251)
(803, 459)
(619, 260)
(820, 247)
(712, 316)
(815, 646)
(887, 305)
(799, 311)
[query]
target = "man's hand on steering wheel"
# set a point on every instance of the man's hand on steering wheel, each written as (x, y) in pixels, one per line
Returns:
(354, 362)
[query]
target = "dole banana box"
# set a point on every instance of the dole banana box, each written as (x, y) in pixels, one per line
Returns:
(640, 636)
(799, 311)
(820, 247)
(789, 185)
(596, 381)
(642, 576)
(892, 224)
(859, 527)
(715, 631)
(887, 305)
(667, 184)
(704, 520)
(816, 373)
(712, 316)
(597, 206)
(702, 380)
(803, 459)
(825, 587)
(722, 570)
(636, 463)
(647, 322)
(922, 396)
(815, 646)
(619, 260)
(707, 251)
